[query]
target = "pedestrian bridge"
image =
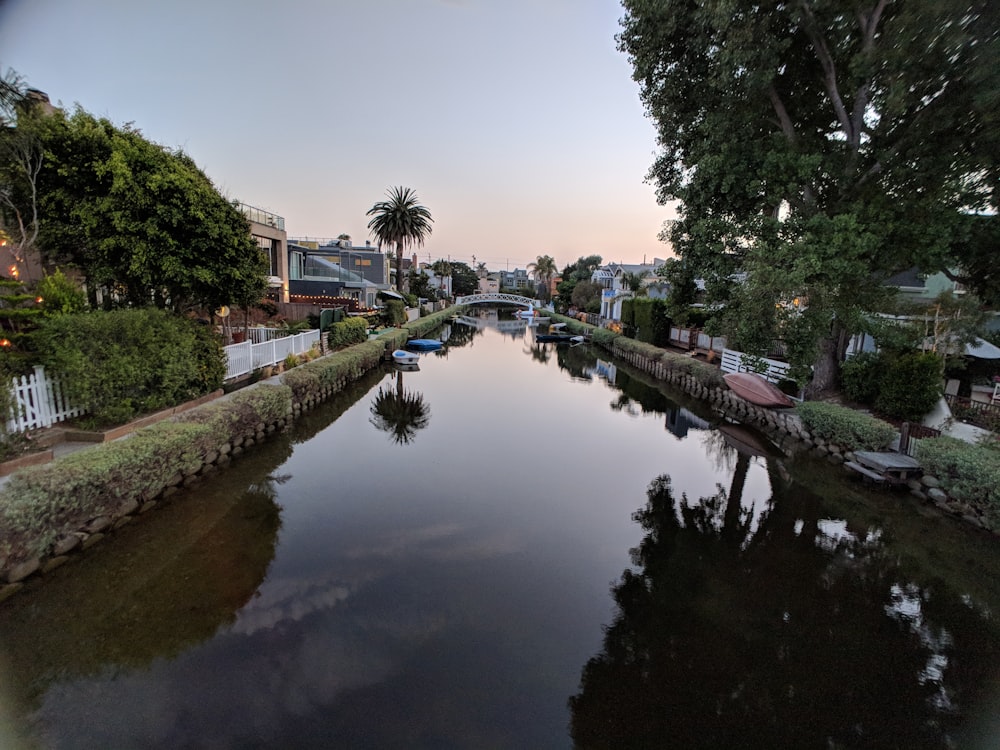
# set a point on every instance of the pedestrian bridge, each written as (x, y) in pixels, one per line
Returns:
(495, 297)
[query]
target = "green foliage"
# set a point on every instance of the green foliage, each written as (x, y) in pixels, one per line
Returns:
(60, 295)
(860, 377)
(395, 312)
(347, 332)
(122, 363)
(845, 427)
(651, 322)
(400, 222)
(969, 473)
(799, 185)
(141, 219)
(910, 386)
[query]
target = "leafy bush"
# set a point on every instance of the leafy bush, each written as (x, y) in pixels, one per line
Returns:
(40, 504)
(347, 332)
(395, 312)
(910, 387)
(652, 325)
(970, 473)
(860, 377)
(122, 363)
(845, 427)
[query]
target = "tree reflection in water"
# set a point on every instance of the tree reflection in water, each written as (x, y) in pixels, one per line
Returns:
(789, 631)
(400, 413)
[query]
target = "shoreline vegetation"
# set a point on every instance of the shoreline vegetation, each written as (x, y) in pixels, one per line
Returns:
(52, 511)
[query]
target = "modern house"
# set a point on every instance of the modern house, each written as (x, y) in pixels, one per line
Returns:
(322, 271)
(516, 280)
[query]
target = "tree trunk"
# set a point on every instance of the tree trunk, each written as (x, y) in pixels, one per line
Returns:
(828, 359)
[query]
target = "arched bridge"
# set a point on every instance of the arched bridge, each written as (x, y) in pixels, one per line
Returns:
(495, 297)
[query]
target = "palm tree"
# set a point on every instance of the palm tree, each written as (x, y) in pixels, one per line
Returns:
(400, 221)
(400, 413)
(543, 269)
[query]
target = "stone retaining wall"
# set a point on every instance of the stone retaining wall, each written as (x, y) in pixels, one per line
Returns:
(787, 431)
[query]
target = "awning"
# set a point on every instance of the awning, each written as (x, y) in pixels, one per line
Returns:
(982, 349)
(391, 294)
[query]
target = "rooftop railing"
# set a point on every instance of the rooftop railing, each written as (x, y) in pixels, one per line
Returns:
(260, 216)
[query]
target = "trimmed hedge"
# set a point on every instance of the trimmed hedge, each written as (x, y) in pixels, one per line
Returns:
(969, 473)
(40, 504)
(347, 332)
(845, 427)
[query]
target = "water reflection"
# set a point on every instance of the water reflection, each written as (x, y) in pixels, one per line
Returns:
(171, 580)
(793, 631)
(399, 412)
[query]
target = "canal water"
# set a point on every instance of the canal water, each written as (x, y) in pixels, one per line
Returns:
(520, 545)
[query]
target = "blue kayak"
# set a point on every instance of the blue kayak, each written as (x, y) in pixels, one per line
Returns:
(424, 345)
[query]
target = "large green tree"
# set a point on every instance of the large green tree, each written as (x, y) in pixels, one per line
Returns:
(816, 147)
(400, 221)
(141, 222)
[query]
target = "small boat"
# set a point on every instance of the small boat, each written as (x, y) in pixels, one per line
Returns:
(424, 345)
(558, 337)
(403, 357)
(756, 390)
(747, 440)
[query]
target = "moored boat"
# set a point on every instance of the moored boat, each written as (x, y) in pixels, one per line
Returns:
(756, 390)
(403, 357)
(424, 345)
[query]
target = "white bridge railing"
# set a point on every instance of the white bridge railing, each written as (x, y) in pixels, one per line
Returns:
(513, 299)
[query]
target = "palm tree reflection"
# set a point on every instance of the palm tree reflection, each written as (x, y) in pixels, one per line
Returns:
(400, 413)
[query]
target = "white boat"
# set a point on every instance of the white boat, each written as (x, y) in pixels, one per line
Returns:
(403, 357)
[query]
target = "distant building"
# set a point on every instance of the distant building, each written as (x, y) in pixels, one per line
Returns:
(268, 231)
(336, 269)
(612, 278)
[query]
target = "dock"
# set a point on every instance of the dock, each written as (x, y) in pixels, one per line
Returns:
(885, 468)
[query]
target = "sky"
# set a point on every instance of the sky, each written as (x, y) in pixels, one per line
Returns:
(516, 121)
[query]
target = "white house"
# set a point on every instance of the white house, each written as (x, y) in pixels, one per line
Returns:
(611, 277)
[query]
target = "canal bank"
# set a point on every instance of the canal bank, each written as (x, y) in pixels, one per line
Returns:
(86, 491)
(785, 428)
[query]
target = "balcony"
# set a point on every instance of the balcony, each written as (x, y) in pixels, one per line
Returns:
(260, 216)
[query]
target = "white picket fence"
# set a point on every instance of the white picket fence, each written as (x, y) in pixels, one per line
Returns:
(732, 361)
(38, 401)
(247, 356)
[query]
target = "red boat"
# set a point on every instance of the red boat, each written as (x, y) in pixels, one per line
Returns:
(757, 391)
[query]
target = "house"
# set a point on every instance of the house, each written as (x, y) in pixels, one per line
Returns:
(613, 279)
(517, 280)
(268, 231)
(336, 269)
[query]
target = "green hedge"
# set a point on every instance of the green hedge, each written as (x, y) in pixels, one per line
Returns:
(970, 473)
(347, 333)
(845, 427)
(40, 504)
(121, 363)
(646, 320)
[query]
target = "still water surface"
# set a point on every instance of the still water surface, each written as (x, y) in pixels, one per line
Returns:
(518, 546)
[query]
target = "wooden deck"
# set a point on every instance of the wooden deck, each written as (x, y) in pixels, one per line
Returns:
(885, 468)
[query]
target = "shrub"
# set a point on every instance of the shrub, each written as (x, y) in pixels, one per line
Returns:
(845, 427)
(121, 363)
(970, 473)
(347, 332)
(395, 312)
(860, 377)
(910, 387)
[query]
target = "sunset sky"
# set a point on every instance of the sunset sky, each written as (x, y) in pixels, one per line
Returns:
(516, 121)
